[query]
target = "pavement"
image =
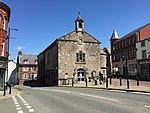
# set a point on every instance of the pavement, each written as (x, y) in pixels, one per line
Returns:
(14, 92)
(142, 88)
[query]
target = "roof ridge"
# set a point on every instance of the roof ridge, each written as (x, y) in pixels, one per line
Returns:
(132, 32)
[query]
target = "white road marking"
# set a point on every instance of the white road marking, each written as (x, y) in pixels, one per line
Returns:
(28, 107)
(104, 98)
(63, 91)
(31, 110)
(41, 89)
(17, 105)
(26, 104)
(18, 108)
(20, 111)
(142, 93)
(146, 106)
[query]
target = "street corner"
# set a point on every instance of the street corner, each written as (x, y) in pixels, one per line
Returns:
(14, 92)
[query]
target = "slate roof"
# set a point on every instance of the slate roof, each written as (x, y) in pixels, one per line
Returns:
(31, 59)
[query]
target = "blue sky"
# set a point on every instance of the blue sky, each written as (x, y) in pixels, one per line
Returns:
(40, 22)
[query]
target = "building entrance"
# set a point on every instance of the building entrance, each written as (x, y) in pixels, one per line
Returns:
(81, 74)
(2, 74)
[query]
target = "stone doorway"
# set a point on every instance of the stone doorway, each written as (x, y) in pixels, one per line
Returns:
(81, 74)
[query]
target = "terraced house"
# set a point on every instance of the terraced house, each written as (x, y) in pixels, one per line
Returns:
(124, 51)
(74, 55)
(26, 67)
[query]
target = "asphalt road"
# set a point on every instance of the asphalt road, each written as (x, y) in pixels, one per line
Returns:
(74, 100)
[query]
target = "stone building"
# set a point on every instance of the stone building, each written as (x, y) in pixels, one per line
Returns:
(26, 67)
(123, 50)
(74, 55)
(4, 19)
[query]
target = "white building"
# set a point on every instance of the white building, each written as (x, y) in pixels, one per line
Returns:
(143, 58)
(103, 61)
(12, 73)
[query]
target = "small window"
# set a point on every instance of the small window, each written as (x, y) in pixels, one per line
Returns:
(80, 57)
(25, 61)
(113, 47)
(25, 68)
(143, 44)
(36, 62)
(24, 76)
(32, 68)
(80, 25)
(4, 23)
(144, 54)
(3, 45)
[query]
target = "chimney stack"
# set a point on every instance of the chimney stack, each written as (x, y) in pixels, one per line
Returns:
(20, 53)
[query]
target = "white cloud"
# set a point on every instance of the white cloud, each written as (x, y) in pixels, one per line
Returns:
(19, 48)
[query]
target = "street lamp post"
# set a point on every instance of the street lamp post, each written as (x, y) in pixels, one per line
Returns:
(8, 41)
(126, 70)
(127, 75)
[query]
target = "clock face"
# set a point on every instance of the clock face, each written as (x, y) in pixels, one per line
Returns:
(80, 41)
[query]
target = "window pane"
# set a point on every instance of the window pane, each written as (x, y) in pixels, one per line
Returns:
(143, 54)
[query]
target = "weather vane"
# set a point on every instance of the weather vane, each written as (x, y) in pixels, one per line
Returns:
(78, 13)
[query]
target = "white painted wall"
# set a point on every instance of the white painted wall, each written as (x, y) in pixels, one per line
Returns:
(12, 73)
(139, 49)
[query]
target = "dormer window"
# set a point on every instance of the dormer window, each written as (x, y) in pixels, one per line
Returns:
(36, 61)
(25, 61)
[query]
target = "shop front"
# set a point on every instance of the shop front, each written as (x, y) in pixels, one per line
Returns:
(3, 66)
(144, 67)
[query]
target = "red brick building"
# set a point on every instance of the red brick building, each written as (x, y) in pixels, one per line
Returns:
(123, 50)
(4, 19)
(26, 67)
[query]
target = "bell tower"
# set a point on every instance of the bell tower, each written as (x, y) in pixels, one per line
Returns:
(79, 24)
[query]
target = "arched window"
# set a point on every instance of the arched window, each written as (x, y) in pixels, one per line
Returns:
(4, 23)
(24, 76)
(3, 45)
(80, 24)
(80, 57)
(1, 20)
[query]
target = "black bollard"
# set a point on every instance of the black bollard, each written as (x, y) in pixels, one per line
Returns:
(72, 82)
(86, 81)
(120, 82)
(138, 80)
(4, 90)
(110, 80)
(128, 83)
(9, 89)
(106, 82)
